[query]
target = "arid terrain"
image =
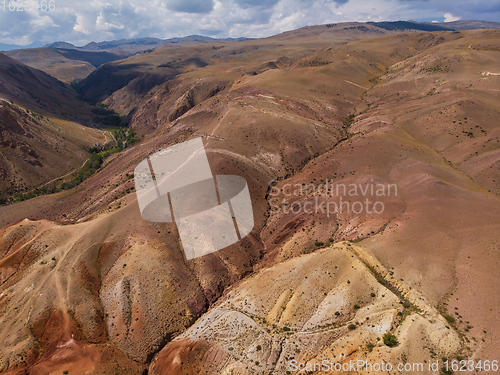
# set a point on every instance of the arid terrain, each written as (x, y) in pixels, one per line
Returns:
(87, 286)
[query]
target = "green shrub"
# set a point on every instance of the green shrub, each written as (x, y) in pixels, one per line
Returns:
(449, 318)
(349, 119)
(390, 339)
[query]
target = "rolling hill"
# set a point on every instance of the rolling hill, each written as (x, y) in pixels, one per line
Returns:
(64, 64)
(38, 91)
(68, 63)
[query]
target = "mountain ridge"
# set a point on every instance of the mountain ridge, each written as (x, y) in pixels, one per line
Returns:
(453, 25)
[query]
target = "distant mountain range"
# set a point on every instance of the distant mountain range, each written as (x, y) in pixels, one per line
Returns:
(133, 44)
(437, 26)
(68, 62)
(468, 25)
(11, 47)
(127, 46)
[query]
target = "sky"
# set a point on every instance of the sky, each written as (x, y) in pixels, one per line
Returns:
(81, 22)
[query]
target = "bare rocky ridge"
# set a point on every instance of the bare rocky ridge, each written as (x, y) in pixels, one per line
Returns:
(323, 306)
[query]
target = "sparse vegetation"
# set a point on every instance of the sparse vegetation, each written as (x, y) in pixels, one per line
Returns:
(449, 318)
(124, 138)
(404, 357)
(93, 164)
(349, 119)
(352, 327)
(36, 115)
(106, 116)
(313, 63)
(75, 85)
(390, 339)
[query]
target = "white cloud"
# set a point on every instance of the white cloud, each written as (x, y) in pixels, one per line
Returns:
(448, 17)
(41, 22)
(103, 25)
(81, 25)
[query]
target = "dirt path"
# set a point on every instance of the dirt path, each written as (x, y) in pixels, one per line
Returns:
(67, 174)
(355, 84)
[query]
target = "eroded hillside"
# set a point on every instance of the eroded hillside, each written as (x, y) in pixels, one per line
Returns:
(415, 110)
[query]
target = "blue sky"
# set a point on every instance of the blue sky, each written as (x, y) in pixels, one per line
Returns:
(80, 22)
